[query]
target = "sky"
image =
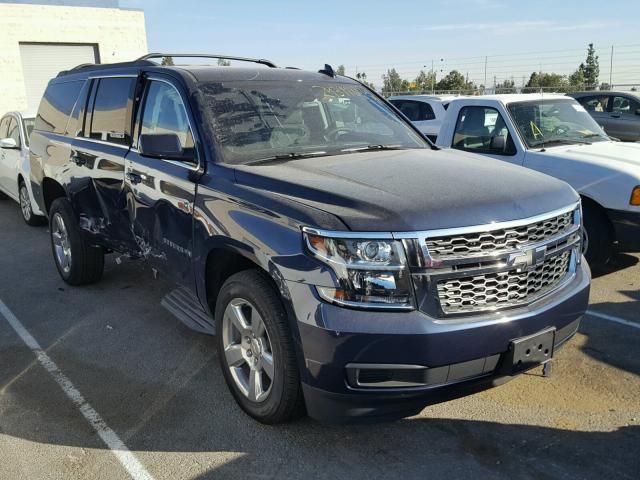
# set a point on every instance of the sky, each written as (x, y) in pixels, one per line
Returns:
(372, 36)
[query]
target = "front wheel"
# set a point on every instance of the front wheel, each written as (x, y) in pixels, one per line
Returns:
(255, 349)
(597, 236)
(78, 262)
(25, 206)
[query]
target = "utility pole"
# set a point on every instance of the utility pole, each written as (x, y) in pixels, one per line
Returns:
(433, 79)
(611, 70)
(485, 72)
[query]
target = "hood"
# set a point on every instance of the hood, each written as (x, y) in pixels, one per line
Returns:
(408, 190)
(621, 156)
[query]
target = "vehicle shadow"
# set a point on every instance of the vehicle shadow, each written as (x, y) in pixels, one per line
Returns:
(618, 262)
(185, 407)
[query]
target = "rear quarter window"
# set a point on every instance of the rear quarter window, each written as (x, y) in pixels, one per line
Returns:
(56, 105)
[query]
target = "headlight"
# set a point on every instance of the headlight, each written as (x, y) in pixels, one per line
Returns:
(371, 272)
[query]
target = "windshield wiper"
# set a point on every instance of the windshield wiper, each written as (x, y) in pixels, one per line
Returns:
(286, 156)
(565, 141)
(374, 147)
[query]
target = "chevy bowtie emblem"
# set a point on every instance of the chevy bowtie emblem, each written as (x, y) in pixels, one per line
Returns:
(526, 259)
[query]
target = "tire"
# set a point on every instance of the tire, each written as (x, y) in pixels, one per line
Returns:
(598, 236)
(78, 262)
(3, 196)
(279, 398)
(24, 199)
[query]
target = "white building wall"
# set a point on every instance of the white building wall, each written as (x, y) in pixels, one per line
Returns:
(120, 36)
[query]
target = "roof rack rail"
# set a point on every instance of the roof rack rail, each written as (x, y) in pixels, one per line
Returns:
(262, 61)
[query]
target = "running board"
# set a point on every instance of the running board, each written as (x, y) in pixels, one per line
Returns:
(186, 308)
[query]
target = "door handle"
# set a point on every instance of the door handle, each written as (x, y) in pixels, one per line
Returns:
(615, 115)
(134, 178)
(79, 161)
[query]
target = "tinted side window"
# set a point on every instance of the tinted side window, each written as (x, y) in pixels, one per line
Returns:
(75, 127)
(624, 105)
(595, 103)
(482, 130)
(4, 126)
(56, 105)
(415, 111)
(14, 131)
(164, 112)
(111, 111)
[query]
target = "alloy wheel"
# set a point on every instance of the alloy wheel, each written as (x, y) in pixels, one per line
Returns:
(61, 243)
(247, 349)
(25, 202)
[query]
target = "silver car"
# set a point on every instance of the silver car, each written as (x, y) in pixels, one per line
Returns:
(618, 113)
(14, 164)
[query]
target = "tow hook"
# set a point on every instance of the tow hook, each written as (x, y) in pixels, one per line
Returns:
(547, 368)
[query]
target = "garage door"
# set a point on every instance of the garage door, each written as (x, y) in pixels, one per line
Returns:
(42, 62)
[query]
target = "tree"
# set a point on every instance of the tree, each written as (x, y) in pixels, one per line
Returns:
(392, 82)
(605, 86)
(577, 78)
(591, 67)
(362, 76)
(425, 81)
(508, 86)
(340, 70)
(223, 62)
(548, 81)
(167, 61)
(455, 81)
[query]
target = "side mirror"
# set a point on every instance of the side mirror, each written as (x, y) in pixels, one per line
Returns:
(499, 143)
(8, 143)
(161, 145)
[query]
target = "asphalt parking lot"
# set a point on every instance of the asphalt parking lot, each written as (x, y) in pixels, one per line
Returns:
(157, 385)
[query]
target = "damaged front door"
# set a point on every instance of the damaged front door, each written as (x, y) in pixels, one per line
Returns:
(161, 170)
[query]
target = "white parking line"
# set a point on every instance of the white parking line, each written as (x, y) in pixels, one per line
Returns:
(611, 318)
(108, 436)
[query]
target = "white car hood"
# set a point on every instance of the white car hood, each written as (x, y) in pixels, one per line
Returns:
(623, 157)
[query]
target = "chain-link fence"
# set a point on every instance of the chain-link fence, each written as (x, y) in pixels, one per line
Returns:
(619, 69)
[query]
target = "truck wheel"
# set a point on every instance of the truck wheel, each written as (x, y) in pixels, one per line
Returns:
(25, 206)
(597, 236)
(255, 348)
(77, 262)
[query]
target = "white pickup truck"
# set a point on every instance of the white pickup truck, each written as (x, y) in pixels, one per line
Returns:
(554, 134)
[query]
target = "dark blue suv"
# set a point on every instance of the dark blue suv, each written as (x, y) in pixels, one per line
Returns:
(345, 264)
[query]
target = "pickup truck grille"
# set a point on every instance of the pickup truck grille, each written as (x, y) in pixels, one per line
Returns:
(467, 271)
(495, 241)
(502, 289)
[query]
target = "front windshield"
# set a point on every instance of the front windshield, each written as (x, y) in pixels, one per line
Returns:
(257, 121)
(555, 121)
(27, 125)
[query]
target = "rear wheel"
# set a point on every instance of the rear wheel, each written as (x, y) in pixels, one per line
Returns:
(25, 206)
(78, 262)
(255, 349)
(597, 236)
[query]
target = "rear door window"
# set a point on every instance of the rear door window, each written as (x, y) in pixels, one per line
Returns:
(624, 105)
(414, 110)
(56, 105)
(112, 110)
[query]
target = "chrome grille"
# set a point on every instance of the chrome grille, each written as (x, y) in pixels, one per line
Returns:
(502, 289)
(496, 241)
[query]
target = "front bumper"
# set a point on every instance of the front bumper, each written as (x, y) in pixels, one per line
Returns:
(627, 229)
(465, 355)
